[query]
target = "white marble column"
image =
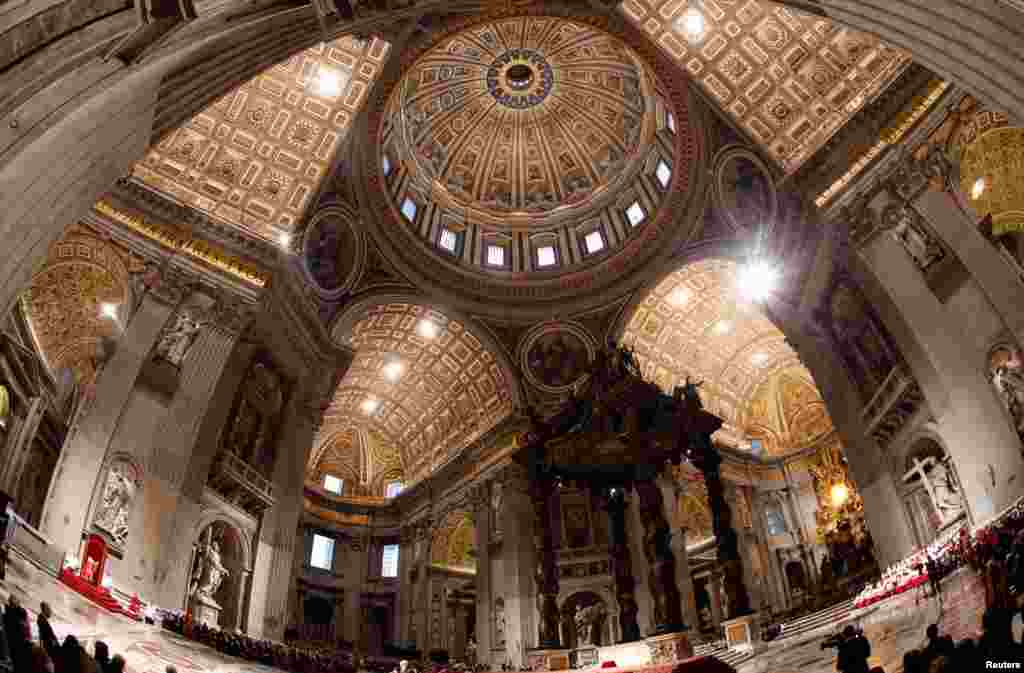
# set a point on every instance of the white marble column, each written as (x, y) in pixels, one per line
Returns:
(85, 448)
(482, 519)
(642, 590)
(971, 421)
(684, 580)
(520, 558)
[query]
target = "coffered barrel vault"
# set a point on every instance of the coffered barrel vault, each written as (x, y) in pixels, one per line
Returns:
(424, 382)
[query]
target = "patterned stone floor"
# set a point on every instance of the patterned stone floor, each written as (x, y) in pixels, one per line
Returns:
(147, 649)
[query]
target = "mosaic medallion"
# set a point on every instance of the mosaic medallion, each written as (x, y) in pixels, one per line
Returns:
(520, 79)
(555, 357)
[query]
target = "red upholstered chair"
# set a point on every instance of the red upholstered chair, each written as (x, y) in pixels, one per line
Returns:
(94, 560)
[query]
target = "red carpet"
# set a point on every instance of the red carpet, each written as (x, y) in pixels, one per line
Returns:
(97, 595)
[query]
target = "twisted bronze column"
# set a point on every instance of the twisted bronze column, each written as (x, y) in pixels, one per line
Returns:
(668, 613)
(542, 488)
(622, 566)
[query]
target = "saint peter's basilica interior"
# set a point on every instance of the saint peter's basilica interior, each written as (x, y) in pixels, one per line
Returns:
(526, 335)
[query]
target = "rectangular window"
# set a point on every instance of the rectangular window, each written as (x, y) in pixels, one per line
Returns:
(594, 242)
(663, 173)
(635, 214)
(322, 555)
(776, 522)
(333, 484)
(670, 121)
(496, 255)
(386, 165)
(389, 561)
(546, 256)
(409, 209)
(449, 240)
(393, 489)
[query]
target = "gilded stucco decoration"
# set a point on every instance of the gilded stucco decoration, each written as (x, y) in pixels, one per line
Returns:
(693, 511)
(789, 79)
(424, 381)
(64, 304)
(334, 251)
(524, 115)
(255, 157)
(454, 543)
(555, 356)
(364, 459)
(996, 159)
(695, 323)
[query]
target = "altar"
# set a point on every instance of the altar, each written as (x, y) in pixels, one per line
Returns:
(618, 436)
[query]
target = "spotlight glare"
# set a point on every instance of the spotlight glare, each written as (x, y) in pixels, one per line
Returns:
(108, 310)
(978, 189)
(370, 406)
(285, 239)
(758, 280)
(839, 494)
(328, 84)
(723, 327)
(427, 329)
(692, 24)
(393, 370)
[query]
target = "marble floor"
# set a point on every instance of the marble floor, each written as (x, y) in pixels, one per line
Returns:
(146, 649)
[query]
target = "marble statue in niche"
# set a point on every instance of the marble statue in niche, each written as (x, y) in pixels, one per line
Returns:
(1006, 371)
(499, 622)
(906, 228)
(588, 620)
(945, 492)
(210, 572)
(177, 339)
(257, 413)
(114, 508)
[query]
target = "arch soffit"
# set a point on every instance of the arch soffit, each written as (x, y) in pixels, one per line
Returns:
(783, 360)
(450, 390)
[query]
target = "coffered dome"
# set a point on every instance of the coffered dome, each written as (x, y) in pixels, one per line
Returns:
(522, 117)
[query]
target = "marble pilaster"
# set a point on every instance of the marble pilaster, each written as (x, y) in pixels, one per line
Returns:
(519, 555)
(482, 518)
(85, 448)
(972, 423)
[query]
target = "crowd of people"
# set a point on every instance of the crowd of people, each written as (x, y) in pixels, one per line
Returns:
(47, 654)
(940, 654)
(284, 657)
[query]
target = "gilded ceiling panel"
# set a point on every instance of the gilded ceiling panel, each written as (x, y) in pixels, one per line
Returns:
(256, 156)
(64, 304)
(788, 79)
(695, 323)
(422, 381)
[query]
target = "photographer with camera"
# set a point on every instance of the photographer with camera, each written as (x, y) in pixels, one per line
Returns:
(854, 650)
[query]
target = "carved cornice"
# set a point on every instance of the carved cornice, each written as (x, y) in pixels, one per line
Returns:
(170, 222)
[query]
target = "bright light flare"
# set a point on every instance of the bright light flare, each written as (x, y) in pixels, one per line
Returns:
(839, 494)
(427, 329)
(370, 406)
(393, 371)
(284, 239)
(108, 310)
(691, 23)
(758, 280)
(328, 83)
(978, 189)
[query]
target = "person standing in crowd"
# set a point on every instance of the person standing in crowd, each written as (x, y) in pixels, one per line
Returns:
(854, 651)
(47, 638)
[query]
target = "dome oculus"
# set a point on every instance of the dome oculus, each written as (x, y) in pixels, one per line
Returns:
(520, 79)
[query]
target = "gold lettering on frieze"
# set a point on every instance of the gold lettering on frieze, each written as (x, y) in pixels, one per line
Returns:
(181, 242)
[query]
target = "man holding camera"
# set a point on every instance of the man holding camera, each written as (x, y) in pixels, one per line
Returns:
(854, 650)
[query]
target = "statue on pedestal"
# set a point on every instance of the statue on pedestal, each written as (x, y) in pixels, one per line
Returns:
(176, 339)
(115, 506)
(1007, 375)
(257, 412)
(588, 620)
(210, 571)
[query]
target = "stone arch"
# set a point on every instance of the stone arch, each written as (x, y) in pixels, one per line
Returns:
(582, 599)
(413, 386)
(118, 104)
(235, 548)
